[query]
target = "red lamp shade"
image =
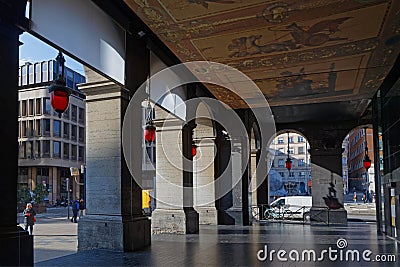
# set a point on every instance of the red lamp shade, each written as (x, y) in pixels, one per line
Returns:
(149, 133)
(194, 150)
(367, 162)
(59, 100)
(288, 164)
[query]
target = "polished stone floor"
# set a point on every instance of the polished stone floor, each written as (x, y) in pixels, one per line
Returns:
(284, 244)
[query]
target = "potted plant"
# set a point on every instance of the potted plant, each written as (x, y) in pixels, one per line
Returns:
(40, 193)
(23, 197)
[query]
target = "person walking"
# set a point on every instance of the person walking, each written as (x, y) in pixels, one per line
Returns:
(81, 207)
(355, 197)
(75, 210)
(29, 218)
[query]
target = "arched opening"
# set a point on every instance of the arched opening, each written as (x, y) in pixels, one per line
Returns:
(286, 180)
(359, 173)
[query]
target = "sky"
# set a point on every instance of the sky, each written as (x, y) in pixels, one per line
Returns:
(34, 50)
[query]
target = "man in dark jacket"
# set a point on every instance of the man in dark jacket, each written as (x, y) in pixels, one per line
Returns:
(29, 218)
(75, 209)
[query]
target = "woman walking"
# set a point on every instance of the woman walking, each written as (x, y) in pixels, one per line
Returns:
(29, 218)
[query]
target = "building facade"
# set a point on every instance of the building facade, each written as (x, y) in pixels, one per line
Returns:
(360, 180)
(297, 181)
(49, 145)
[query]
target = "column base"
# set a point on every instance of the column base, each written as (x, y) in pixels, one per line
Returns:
(111, 232)
(177, 221)
(16, 247)
(323, 216)
(207, 215)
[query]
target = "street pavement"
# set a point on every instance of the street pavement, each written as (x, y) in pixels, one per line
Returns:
(54, 235)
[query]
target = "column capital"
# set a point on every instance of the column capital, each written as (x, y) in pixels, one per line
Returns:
(103, 90)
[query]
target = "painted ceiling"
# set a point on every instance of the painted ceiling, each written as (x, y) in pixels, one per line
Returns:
(296, 51)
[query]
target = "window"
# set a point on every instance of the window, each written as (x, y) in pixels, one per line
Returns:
(65, 150)
(281, 150)
(300, 163)
(81, 134)
(23, 108)
(46, 127)
(66, 113)
(81, 117)
(73, 112)
(81, 153)
(66, 130)
(46, 105)
(291, 174)
(45, 74)
(291, 150)
(280, 140)
(300, 139)
(23, 129)
(282, 174)
(37, 128)
(73, 132)
(29, 150)
(281, 163)
(38, 106)
(73, 152)
(56, 149)
(290, 140)
(302, 174)
(24, 75)
(57, 128)
(301, 150)
(19, 76)
(69, 78)
(42, 176)
(37, 73)
(30, 107)
(31, 74)
(22, 150)
(30, 131)
(46, 149)
(37, 150)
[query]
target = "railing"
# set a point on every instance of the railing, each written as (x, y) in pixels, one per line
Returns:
(264, 212)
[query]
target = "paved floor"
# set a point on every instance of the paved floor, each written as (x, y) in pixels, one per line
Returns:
(239, 246)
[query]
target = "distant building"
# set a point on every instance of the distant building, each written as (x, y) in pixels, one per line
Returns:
(298, 180)
(345, 167)
(359, 179)
(49, 145)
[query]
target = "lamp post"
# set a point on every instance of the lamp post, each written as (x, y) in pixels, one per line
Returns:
(67, 197)
(59, 93)
(288, 162)
(366, 163)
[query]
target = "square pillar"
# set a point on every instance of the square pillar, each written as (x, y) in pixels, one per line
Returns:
(327, 182)
(113, 217)
(174, 211)
(203, 176)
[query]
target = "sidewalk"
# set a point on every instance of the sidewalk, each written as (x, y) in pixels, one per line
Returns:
(54, 235)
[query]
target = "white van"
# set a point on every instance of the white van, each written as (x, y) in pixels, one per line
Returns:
(294, 206)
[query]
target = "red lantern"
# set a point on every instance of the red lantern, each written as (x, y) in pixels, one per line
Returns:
(59, 99)
(194, 150)
(149, 132)
(288, 164)
(367, 162)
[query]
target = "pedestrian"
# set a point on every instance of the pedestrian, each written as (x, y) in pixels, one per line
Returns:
(75, 209)
(29, 218)
(355, 197)
(81, 207)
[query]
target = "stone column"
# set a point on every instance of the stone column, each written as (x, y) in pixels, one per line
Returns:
(174, 211)
(16, 248)
(113, 217)
(203, 176)
(326, 173)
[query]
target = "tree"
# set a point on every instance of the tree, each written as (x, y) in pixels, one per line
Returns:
(23, 195)
(40, 193)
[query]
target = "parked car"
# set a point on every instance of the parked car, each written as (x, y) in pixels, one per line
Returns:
(296, 207)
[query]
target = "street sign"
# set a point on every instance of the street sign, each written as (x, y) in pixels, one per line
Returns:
(74, 171)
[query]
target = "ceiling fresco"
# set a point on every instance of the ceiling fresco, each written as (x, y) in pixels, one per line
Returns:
(296, 51)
